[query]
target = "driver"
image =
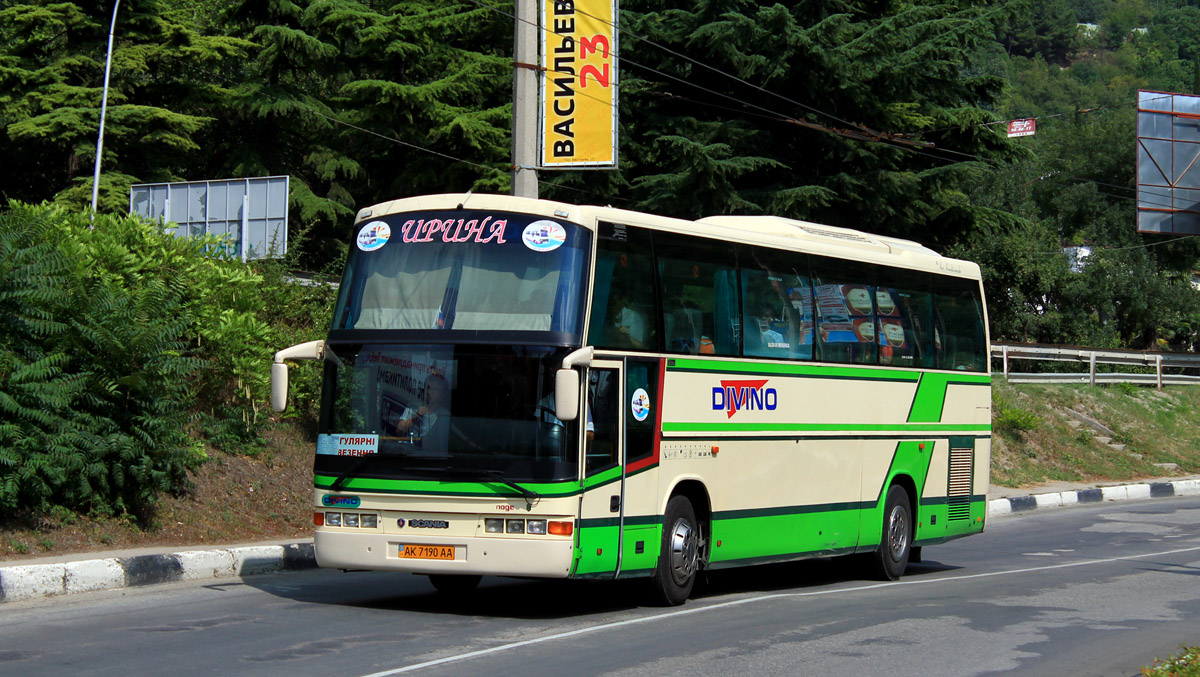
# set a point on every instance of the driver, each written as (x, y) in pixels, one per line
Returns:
(422, 425)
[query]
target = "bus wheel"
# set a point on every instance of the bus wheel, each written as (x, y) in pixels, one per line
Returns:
(896, 545)
(452, 584)
(679, 557)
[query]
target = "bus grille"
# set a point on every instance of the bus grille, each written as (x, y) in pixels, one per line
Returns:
(959, 491)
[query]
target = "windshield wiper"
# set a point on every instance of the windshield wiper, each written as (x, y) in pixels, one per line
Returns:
(354, 468)
(529, 496)
(495, 475)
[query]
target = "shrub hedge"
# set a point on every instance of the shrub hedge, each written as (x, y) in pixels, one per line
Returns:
(124, 351)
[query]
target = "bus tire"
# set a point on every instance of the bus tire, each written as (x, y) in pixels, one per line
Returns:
(454, 584)
(680, 555)
(895, 546)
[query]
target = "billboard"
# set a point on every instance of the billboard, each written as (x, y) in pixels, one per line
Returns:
(1019, 128)
(250, 214)
(578, 92)
(1168, 174)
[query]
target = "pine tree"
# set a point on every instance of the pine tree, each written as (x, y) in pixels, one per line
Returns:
(52, 59)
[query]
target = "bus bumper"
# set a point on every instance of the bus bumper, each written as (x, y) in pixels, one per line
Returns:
(500, 556)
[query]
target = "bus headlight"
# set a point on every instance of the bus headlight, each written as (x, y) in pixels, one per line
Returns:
(370, 521)
(493, 525)
(536, 526)
(515, 526)
(333, 519)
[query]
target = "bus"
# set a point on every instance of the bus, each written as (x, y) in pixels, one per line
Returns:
(528, 388)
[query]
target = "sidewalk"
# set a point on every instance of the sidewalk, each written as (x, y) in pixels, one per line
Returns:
(92, 571)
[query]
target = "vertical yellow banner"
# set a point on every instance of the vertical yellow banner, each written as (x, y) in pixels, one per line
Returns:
(579, 84)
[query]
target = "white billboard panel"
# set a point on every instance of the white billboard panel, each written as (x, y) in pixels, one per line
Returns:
(249, 214)
(1168, 163)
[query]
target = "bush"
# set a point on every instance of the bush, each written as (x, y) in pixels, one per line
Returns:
(118, 343)
(1007, 418)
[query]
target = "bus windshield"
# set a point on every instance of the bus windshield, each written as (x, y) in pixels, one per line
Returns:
(418, 411)
(463, 269)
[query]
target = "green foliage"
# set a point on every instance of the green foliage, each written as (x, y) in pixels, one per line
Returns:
(1185, 664)
(119, 343)
(1011, 420)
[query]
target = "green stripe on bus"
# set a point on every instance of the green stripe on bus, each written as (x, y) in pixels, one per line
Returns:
(387, 486)
(826, 427)
(930, 399)
(783, 369)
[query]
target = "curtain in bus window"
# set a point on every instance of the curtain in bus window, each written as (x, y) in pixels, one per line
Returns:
(405, 291)
(519, 299)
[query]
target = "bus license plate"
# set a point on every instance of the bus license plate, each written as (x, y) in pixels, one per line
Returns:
(426, 551)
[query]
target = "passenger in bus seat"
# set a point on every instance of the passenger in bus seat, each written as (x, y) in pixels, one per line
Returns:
(629, 322)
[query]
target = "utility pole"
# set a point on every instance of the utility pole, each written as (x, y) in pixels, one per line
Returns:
(103, 110)
(525, 100)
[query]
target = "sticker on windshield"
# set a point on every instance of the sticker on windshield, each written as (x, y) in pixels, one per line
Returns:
(544, 236)
(374, 235)
(347, 445)
(640, 405)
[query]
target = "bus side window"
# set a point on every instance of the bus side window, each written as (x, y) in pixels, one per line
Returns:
(623, 301)
(640, 375)
(777, 310)
(604, 405)
(844, 296)
(698, 285)
(961, 332)
(905, 309)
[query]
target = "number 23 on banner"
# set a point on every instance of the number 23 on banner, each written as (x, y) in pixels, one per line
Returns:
(588, 46)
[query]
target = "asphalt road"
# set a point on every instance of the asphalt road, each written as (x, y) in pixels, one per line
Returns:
(1082, 591)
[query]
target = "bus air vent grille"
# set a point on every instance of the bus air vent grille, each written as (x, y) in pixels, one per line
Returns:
(840, 235)
(958, 494)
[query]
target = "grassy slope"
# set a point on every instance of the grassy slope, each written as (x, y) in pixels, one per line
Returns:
(238, 499)
(1161, 427)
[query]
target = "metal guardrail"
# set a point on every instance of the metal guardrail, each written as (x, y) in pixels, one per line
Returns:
(1006, 352)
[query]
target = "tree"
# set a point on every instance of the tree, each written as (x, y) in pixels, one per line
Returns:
(51, 73)
(812, 110)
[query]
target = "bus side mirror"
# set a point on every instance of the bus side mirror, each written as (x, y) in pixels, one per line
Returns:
(566, 383)
(279, 387)
(566, 394)
(313, 350)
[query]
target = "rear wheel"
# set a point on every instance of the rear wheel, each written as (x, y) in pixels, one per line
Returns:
(451, 584)
(896, 544)
(681, 553)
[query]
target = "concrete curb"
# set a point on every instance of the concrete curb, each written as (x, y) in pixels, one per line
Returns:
(1126, 492)
(32, 581)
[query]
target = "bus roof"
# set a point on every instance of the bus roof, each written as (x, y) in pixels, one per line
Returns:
(773, 231)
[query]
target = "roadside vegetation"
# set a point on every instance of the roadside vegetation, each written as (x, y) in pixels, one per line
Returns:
(128, 357)
(1082, 433)
(1186, 664)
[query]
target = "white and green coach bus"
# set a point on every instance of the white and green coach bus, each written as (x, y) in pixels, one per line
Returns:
(520, 387)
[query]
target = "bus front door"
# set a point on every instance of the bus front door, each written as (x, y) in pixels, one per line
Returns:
(602, 502)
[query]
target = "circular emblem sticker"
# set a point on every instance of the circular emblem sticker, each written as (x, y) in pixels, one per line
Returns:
(373, 236)
(640, 405)
(544, 236)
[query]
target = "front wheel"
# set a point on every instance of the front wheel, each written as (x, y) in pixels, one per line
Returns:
(681, 553)
(896, 545)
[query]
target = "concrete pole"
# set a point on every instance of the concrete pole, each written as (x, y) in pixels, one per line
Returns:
(112, 28)
(525, 100)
